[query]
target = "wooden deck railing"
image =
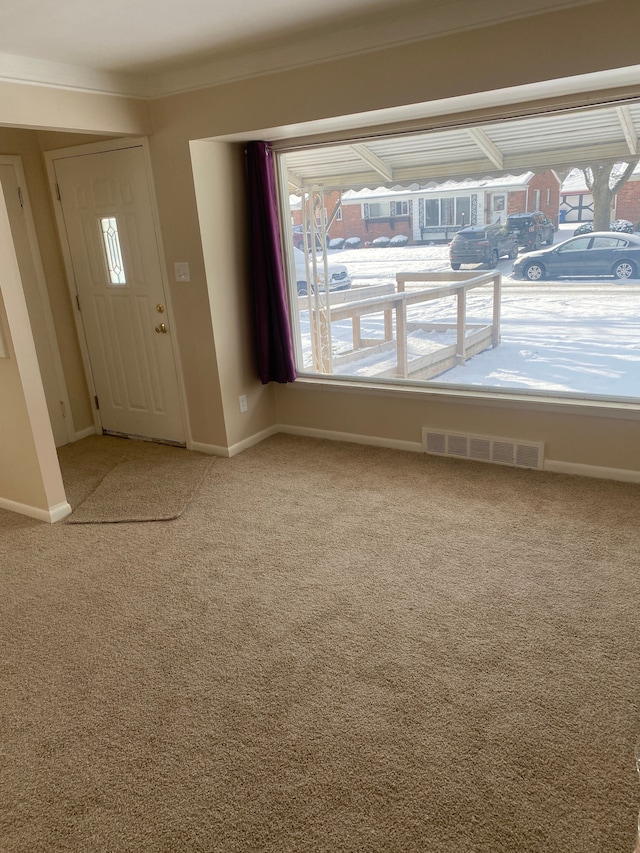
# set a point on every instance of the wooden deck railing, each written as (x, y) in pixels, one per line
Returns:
(469, 338)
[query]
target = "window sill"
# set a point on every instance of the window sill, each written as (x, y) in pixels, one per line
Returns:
(589, 407)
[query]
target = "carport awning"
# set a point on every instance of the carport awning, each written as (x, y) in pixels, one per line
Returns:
(561, 141)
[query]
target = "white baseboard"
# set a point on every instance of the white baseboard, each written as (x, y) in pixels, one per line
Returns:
(253, 440)
(234, 449)
(334, 435)
(51, 515)
(551, 465)
(580, 470)
(84, 433)
(211, 449)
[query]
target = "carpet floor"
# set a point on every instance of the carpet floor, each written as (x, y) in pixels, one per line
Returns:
(333, 648)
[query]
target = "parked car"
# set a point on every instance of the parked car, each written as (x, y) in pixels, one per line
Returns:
(617, 225)
(482, 244)
(595, 254)
(339, 278)
(299, 239)
(531, 229)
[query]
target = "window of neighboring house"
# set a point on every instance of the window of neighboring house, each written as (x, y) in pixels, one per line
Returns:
(339, 214)
(379, 209)
(385, 209)
(447, 211)
(432, 212)
(538, 339)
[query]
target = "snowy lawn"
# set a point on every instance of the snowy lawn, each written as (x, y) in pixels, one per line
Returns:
(575, 335)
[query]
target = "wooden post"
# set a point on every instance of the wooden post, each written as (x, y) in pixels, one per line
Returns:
(497, 296)
(356, 333)
(388, 318)
(461, 342)
(401, 340)
(388, 325)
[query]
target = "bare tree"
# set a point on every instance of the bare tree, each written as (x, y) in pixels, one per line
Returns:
(604, 180)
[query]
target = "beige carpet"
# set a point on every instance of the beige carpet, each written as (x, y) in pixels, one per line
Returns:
(334, 648)
(155, 485)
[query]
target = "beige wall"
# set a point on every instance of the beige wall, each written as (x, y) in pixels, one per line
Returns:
(26, 144)
(527, 51)
(175, 192)
(30, 478)
(20, 479)
(199, 189)
(45, 107)
(218, 172)
(574, 439)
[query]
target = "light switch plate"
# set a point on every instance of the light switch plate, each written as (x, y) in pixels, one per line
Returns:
(182, 271)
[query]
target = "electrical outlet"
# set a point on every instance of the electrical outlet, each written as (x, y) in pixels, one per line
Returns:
(243, 402)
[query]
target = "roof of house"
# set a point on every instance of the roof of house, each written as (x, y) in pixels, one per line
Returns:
(503, 182)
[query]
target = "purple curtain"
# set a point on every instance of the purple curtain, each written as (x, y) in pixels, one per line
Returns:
(275, 348)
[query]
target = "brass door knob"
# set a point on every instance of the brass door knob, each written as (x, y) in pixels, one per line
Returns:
(161, 329)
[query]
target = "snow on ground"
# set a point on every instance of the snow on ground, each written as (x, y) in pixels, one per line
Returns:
(579, 336)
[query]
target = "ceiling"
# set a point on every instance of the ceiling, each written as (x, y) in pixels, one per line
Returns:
(154, 47)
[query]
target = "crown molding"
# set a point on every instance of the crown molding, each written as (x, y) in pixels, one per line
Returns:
(384, 30)
(295, 49)
(38, 72)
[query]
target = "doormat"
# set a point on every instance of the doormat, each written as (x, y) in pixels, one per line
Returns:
(155, 486)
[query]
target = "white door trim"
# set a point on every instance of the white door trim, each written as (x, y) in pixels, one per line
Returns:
(101, 148)
(41, 282)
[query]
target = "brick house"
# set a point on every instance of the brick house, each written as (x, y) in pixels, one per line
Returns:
(434, 211)
(576, 202)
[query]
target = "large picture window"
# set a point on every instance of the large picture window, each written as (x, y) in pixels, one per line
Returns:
(438, 274)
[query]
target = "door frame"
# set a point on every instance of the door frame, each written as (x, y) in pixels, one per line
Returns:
(105, 147)
(15, 161)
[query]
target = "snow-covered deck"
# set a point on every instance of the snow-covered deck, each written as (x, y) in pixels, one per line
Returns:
(414, 343)
(575, 336)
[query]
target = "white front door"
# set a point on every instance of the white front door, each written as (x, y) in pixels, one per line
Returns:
(37, 300)
(117, 271)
